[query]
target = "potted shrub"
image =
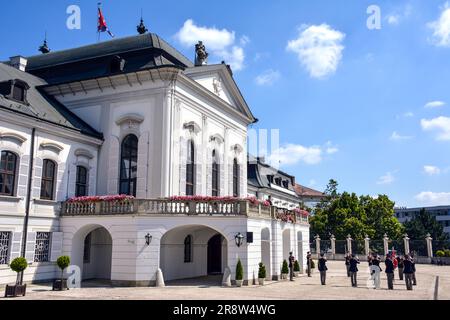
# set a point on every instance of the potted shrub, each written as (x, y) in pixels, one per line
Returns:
(440, 254)
(61, 284)
(18, 265)
(284, 270)
(239, 274)
(261, 274)
(296, 268)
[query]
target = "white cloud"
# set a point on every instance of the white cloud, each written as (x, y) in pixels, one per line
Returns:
(441, 28)
(397, 137)
(440, 124)
(434, 104)
(312, 183)
(434, 198)
(244, 40)
(293, 154)
(268, 77)
(431, 170)
(399, 15)
(319, 49)
(388, 178)
(330, 148)
(393, 19)
(220, 42)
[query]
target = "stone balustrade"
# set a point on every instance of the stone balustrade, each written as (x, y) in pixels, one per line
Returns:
(169, 207)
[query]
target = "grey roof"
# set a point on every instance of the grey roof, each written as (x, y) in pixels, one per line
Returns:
(256, 178)
(140, 52)
(40, 105)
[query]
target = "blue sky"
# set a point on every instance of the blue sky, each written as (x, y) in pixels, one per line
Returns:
(369, 108)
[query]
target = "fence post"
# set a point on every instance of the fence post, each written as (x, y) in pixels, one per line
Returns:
(333, 246)
(367, 245)
(317, 246)
(349, 244)
(406, 242)
(429, 240)
(386, 244)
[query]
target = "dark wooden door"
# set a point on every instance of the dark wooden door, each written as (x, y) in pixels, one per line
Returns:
(215, 255)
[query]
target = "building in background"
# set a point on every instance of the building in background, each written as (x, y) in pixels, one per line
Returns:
(440, 213)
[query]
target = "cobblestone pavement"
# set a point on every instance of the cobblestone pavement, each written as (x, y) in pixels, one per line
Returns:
(303, 288)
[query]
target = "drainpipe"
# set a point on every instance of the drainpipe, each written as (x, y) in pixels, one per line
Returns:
(27, 203)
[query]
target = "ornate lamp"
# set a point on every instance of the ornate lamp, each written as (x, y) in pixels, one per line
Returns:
(148, 239)
(239, 238)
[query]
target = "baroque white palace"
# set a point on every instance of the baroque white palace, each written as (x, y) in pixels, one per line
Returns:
(133, 116)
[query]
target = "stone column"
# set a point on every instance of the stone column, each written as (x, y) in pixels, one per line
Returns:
(349, 244)
(429, 240)
(317, 245)
(367, 245)
(333, 245)
(406, 243)
(386, 244)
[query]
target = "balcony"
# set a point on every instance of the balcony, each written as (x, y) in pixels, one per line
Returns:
(177, 207)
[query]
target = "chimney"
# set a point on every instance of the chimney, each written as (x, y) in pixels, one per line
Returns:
(18, 62)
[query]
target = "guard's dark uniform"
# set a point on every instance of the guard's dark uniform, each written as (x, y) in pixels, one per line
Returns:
(353, 269)
(400, 267)
(308, 262)
(323, 270)
(408, 273)
(390, 273)
(291, 267)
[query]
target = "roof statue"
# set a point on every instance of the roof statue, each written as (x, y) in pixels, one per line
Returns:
(201, 56)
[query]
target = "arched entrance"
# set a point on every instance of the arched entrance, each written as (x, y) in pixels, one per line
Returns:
(192, 251)
(265, 252)
(215, 254)
(92, 252)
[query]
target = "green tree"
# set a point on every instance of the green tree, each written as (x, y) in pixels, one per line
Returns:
(346, 213)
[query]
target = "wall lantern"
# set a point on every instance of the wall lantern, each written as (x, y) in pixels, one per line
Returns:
(148, 239)
(239, 238)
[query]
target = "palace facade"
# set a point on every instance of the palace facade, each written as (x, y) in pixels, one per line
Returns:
(134, 117)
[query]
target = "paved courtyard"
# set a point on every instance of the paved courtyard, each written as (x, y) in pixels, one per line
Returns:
(303, 288)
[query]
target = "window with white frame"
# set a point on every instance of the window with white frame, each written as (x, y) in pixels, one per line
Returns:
(5, 240)
(42, 247)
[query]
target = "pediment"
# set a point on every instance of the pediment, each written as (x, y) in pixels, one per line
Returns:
(218, 80)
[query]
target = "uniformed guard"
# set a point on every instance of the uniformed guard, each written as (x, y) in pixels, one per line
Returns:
(389, 271)
(353, 269)
(323, 268)
(347, 263)
(408, 272)
(291, 266)
(400, 266)
(413, 263)
(308, 262)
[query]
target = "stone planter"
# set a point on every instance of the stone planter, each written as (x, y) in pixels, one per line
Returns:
(60, 285)
(284, 276)
(261, 281)
(239, 283)
(296, 273)
(15, 290)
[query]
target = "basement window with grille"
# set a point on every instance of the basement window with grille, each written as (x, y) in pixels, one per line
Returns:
(5, 240)
(42, 248)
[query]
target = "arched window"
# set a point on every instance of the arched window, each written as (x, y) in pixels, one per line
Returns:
(8, 167)
(235, 178)
(190, 168)
(128, 165)
(81, 186)
(48, 179)
(215, 175)
(188, 249)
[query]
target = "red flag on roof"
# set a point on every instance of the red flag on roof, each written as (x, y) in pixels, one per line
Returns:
(101, 26)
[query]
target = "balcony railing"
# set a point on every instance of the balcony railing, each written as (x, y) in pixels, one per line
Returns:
(169, 207)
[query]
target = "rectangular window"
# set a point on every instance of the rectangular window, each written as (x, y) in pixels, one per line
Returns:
(5, 240)
(42, 247)
(48, 179)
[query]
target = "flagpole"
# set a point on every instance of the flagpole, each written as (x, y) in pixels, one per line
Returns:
(99, 4)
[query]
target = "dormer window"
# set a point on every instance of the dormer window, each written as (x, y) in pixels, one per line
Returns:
(15, 90)
(278, 181)
(117, 64)
(286, 184)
